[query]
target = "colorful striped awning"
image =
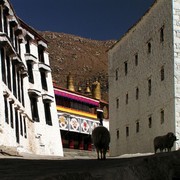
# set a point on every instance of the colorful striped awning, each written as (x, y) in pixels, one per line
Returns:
(76, 97)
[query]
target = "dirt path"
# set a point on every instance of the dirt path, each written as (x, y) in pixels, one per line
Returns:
(160, 166)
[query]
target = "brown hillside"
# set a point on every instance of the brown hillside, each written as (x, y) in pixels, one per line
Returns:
(86, 59)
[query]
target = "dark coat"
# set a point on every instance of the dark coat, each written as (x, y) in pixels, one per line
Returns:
(164, 142)
(101, 140)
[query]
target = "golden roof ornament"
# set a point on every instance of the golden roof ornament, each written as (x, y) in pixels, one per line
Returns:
(87, 90)
(70, 85)
(79, 89)
(96, 90)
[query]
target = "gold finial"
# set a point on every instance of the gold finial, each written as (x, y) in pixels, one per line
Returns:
(96, 90)
(87, 91)
(79, 89)
(70, 85)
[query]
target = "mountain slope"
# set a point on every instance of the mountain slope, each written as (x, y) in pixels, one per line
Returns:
(86, 59)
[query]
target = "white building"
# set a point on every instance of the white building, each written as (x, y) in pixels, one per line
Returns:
(144, 81)
(28, 116)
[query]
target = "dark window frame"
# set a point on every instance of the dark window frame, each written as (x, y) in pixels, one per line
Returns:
(34, 108)
(162, 34)
(117, 74)
(127, 98)
(126, 68)
(137, 126)
(30, 71)
(149, 47)
(162, 116)
(41, 53)
(47, 111)
(149, 86)
(6, 110)
(127, 131)
(162, 73)
(3, 65)
(117, 103)
(27, 46)
(117, 133)
(150, 122)
(136, 59)
(44, 80)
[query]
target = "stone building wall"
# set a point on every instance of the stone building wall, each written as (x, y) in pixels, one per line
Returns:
(142, 62)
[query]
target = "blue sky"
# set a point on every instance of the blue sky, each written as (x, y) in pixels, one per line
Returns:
(94, 19)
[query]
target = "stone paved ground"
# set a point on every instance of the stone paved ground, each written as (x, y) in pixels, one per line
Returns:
(162, 166)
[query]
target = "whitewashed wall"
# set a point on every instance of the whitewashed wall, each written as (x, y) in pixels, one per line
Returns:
(41, 138)
(176, 31)
(135, 41)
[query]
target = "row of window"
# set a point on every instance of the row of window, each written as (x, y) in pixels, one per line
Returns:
(137, 127)
(9, 27)
(65, 102)
(35, 111)
(41, 50)
(43, 75)
(137, 90)
(11, 76)
(136, 57)
(15, 119)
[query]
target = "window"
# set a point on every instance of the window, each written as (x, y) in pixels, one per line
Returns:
(18, 86)
(34, 108)
(117, 74)
(126, 67)
(149, 47)
(127, 98)
(150, 122)
(3, 66)
(137, 93)
(136, 59)
(17, 126)
(137, 126)
(11, 27)
(27, 46)
(11, 114)
(22, 90)
(162, 34)
(1, 20)
(8, 72)
(47, 113)
(30, 71)
(25, 129)
(117, 133)
(162, 116)
(6, 110)
(43, 80)
(41, 53)
(117, 103)
(5, 21)
(21, 124)
(127, 131)
(162, 73)
(14, 82)
(149, 87)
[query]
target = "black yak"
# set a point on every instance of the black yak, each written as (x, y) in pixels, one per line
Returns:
(164, 142)
(101, 140)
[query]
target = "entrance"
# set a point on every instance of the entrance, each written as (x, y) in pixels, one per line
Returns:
(74, 140)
